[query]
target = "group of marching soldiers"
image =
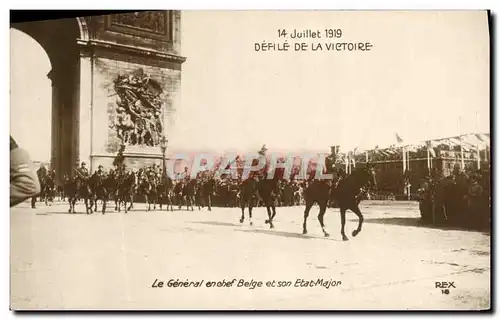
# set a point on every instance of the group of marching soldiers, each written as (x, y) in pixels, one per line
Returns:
(462, 198)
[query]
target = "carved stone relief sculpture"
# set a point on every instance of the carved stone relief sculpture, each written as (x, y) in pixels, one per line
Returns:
(139, 110)
(153, 21)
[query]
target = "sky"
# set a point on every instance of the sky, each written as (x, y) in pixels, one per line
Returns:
(30, 96)
(424, 72)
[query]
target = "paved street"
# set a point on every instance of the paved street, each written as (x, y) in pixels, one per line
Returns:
(78, 261)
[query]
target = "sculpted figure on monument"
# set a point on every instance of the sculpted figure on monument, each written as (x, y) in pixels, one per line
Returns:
(138, 119)
(148, 20)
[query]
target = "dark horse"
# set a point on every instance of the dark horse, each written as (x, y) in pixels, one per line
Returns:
(102, 187)
(207, 189)
(148, 188)
(346, 193)
(48, 185)
(248, 197)
(125, 187)
(267, 190)
(78, 188)
(189, 192)
(164, 190)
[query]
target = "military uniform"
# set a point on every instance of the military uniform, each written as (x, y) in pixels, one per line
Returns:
(24, 182)
(41, 173)
(83, 173)
(100, 172)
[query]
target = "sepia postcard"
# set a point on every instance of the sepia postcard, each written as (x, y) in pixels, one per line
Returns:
(250, 160)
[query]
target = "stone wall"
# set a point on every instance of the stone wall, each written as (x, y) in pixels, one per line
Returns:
(122, 45)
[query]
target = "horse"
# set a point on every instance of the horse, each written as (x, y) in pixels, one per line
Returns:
(125, 187)
(48, 188)
(102, 187)
(248, 197)
(164, 191)
(71, 190)
(267, 190)
(346, 193)
(148, 188)
(77, 188)
(198, 196)
(207, 189)
(188, 193)
(177, 193)
(60, 192)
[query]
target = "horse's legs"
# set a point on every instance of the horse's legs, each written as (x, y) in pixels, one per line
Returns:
(242, 211)
(360, 222)
(103, 205)
(91, 202)
(321, 215)
(125, 209)
(250, 208)
(86, 202)
(131, 199)
(69, 201)
(268, 208)
(270, 215)
(342, 222)
(306, 214)
(273, 208)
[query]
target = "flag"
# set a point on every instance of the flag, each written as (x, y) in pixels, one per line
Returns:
(398, 138)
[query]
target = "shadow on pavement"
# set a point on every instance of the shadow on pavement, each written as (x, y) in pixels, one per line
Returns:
(65, 213)
(267, 232)
(285, 234)
(417, 222)
(217, 223)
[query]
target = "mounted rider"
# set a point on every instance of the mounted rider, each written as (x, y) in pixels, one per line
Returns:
(262, 173)
(100, 172)
(82, 172)
(82, 175)
(42, 171)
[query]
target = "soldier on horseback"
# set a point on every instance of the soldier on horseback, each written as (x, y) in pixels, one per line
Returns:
(82, 172)
(100, 171)
(41, 174)
(82, 176)
(262, 173)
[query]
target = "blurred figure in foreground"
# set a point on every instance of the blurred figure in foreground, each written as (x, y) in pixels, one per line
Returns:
(24, 183)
